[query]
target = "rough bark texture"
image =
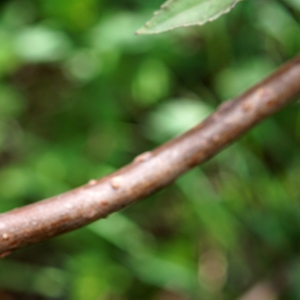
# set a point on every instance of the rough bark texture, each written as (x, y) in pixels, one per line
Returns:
(150, 171)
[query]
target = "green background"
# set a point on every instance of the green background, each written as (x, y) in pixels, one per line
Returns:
(81, 95)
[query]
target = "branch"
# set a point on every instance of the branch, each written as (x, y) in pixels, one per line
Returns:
(261, 291)
(150, 171)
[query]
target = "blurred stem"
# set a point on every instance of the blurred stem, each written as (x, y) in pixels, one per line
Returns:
(261, 291)
(153, 170)
(292, 12)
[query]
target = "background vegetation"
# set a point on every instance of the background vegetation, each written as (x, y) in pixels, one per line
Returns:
(81, 95)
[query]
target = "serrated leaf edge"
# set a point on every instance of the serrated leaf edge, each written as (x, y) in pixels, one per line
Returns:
(164, 5)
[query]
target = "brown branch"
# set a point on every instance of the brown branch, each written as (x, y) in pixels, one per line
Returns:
(150, 171)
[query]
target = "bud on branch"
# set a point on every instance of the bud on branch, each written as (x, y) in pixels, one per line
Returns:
(150, 171)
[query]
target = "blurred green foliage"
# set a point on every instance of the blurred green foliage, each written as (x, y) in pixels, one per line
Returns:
(81, 95)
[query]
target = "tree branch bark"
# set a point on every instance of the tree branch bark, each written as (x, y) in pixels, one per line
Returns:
(150, 171)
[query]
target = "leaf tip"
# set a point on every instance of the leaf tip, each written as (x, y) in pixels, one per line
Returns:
(140, 31)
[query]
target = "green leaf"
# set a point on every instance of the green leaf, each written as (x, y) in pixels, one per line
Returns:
(182, 13)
